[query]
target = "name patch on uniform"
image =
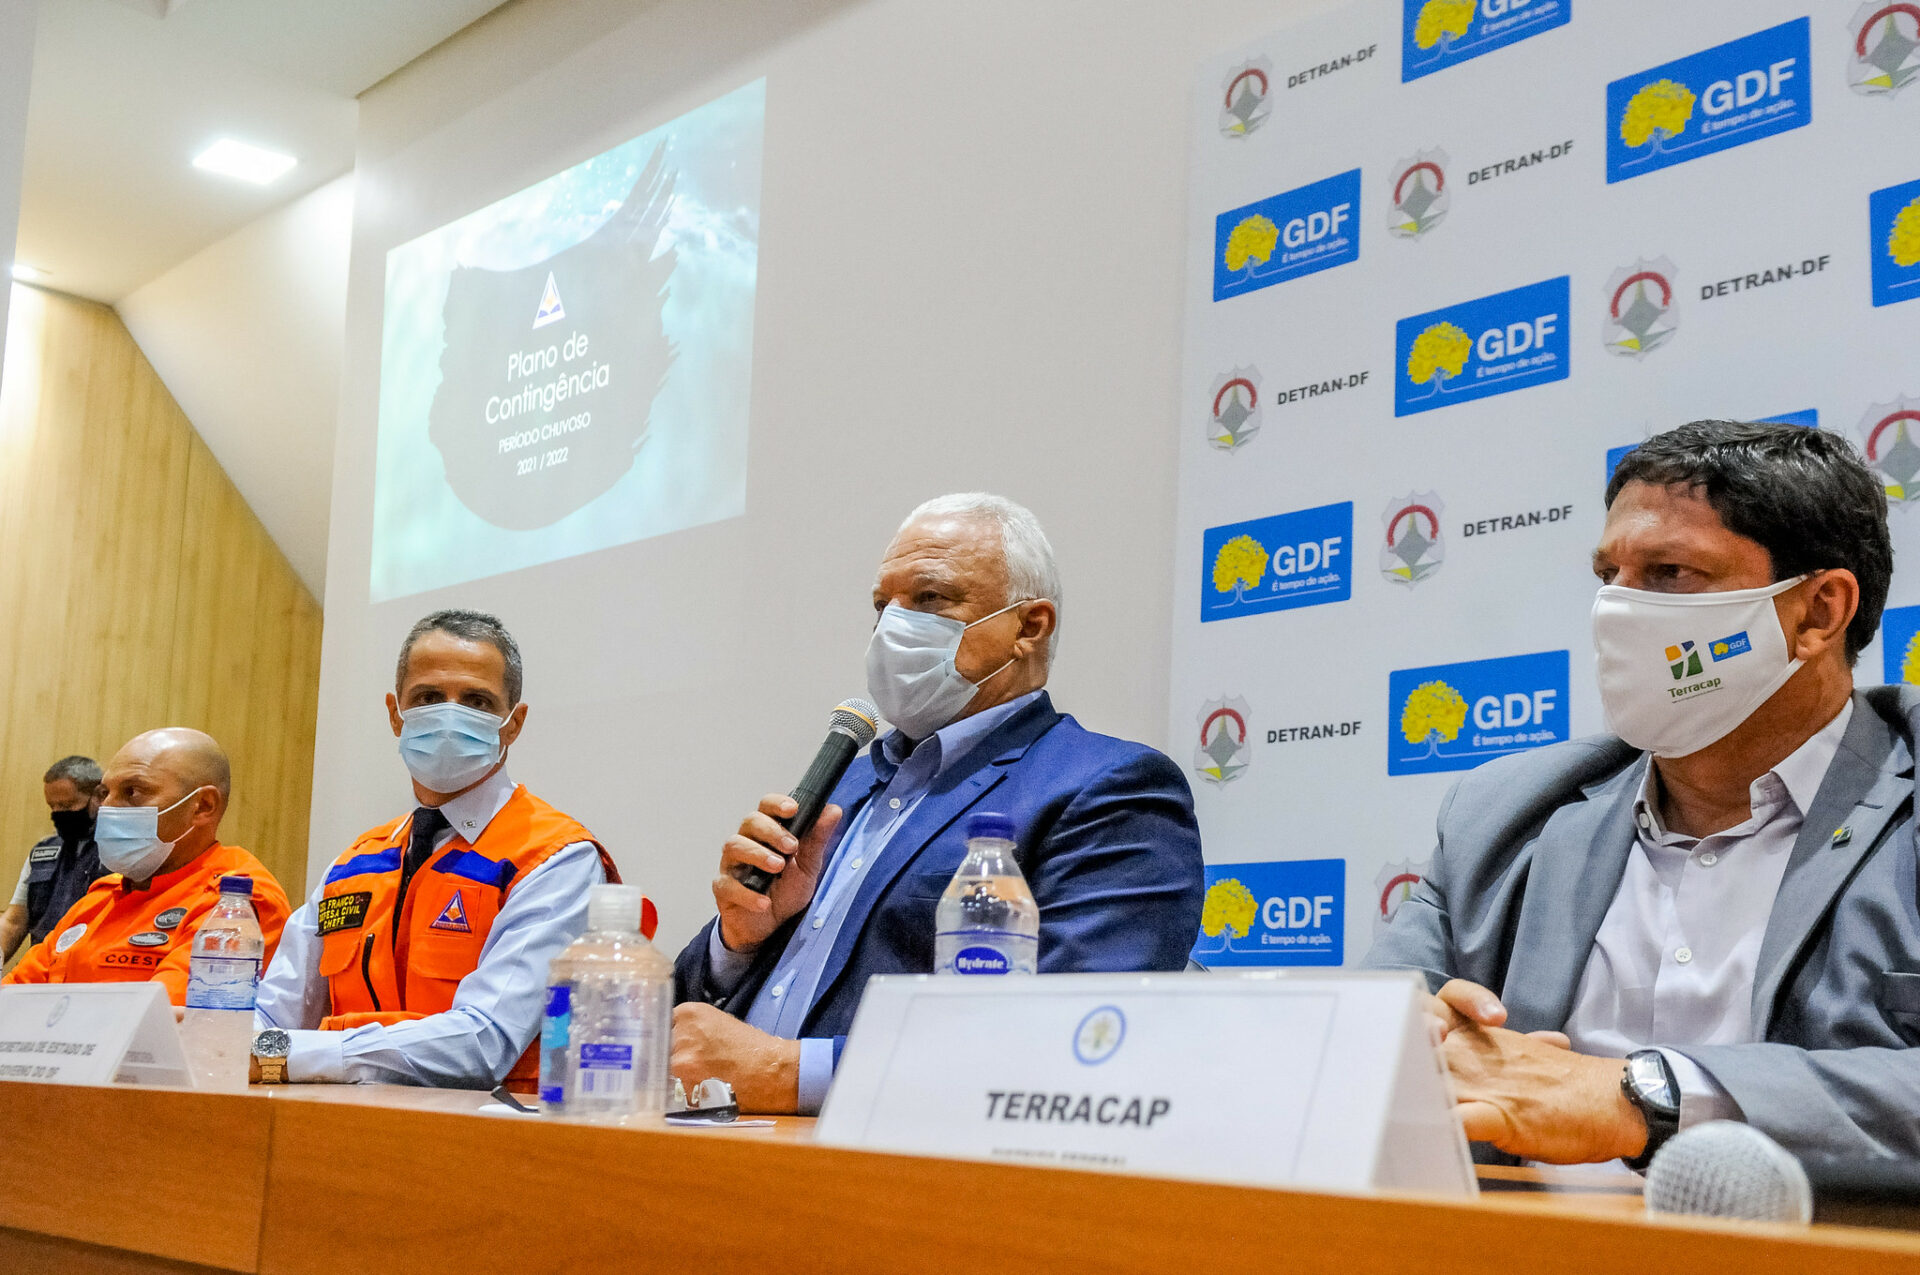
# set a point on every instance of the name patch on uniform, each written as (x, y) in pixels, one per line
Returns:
(344, 912)
(453, 916)
(169, 919)
(146, 938)
(41, 854)
(69, 936)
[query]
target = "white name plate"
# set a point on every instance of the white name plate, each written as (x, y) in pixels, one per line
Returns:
(90, 1034)
(1263, 1078)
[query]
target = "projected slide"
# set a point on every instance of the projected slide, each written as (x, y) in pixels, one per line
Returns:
(568, 369)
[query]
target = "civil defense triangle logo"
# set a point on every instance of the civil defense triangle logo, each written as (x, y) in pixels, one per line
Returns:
(550, 311)
(453, 916)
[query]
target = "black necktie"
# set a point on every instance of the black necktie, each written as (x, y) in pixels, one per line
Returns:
(427, 823)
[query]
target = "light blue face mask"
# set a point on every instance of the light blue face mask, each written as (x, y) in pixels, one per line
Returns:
(447, 746)
(910, 669)
(128, 838)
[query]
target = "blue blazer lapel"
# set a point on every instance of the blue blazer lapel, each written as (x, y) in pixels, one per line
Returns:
(951, 796)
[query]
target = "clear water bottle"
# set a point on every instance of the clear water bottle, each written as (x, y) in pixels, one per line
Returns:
(222, 976)
(987, 921)
(606, 1041)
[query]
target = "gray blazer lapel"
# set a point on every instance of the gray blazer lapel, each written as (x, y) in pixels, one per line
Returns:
(1862, 791)
(1578, 861)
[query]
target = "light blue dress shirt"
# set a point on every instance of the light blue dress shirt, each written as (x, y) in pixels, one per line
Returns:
(785, 998)
(496, 1010)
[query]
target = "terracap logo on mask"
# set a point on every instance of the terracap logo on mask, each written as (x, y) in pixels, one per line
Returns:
(1726, 96)
(1683, 661)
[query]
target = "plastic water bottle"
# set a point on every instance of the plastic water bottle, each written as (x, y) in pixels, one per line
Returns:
(987, 922)
(606, 1041)
(222, 975)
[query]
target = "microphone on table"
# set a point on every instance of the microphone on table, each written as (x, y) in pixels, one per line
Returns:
(851, 728)
(1727, 1169)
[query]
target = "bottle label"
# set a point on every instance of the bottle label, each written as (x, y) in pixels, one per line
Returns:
(559, 1022)
(981, 960)
(222, 982)
(606, 1071)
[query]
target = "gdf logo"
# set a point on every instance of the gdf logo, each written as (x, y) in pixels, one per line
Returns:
(1726, 96)
(1455, 716)
(1290, 560)
(1491, 345)
(1234, 412)
(1283, 913)
(1413, 548)
(1436, 34)
(1893, 216)
(1420, 195)
(1297, 232)
(1887, 438)
(1642, 314)
(1245, 103)
(1884, 54)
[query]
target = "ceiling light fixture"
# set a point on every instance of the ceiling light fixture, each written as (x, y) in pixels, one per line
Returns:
(26, 273)
(243, 162)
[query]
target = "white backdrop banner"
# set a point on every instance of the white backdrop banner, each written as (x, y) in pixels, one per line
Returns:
(1448, 262)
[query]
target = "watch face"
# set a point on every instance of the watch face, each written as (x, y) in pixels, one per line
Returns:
(271, 1043)
(1649, 1073)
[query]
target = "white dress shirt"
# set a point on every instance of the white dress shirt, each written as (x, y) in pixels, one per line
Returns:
(496, 1010)
(1673, 964)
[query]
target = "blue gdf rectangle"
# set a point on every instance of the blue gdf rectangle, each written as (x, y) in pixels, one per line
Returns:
(1894, 242)
(1286, 236)
(1474, 349)
(1286, 913)
(1899, 649)
(1718, 98)
(1614, 456)
(1808, 417)
(1455, 716)
(1436, 34)
(1301, 559)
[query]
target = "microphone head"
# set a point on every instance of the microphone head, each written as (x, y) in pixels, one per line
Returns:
(1727, 1169)
(857, 719)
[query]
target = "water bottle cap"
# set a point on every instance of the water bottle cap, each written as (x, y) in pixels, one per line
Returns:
(989, 824)
(242, 885)
(615, 908)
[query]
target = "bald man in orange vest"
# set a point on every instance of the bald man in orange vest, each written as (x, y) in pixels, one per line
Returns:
(137, 923)
(422, 957)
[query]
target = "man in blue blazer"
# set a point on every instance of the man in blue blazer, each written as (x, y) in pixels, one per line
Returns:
(967, 604)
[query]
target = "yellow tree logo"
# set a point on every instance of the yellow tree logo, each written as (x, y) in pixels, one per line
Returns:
(1251, 244)
(1230, 909)
(1903, 244)
(1240, 565)
(1442, 22)
(1433, 714)
(1660, 110)
(1910, 662)
(1438, 355)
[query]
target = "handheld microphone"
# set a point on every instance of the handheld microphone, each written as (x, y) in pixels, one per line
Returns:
(1727, 1169)
(851, 728)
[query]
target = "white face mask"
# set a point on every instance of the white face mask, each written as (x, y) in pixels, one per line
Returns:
(910, 669)
(128, 838)
(449, 747)
(1679, 671)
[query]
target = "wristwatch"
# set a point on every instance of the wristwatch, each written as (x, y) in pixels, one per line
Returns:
(270, 1051)
(1650, 1086)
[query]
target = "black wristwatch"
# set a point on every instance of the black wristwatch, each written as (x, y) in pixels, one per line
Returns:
(1650, 1085)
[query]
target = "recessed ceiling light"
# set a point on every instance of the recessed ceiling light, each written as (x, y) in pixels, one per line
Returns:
(26, 273)
(239, 160)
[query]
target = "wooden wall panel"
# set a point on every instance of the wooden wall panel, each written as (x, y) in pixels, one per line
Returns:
(137, 589)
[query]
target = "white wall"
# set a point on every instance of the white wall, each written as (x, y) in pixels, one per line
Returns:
(246, 336)
(970, 276)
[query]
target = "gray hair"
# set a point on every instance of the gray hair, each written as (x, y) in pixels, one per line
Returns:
(1028, 554)
(82, 772)
(474, 626)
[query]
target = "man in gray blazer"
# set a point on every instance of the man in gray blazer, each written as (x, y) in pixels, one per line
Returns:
(1712, 913)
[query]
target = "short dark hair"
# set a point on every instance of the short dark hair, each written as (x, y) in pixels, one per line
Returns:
(474, 626)
(82, 772)
(1803, 494)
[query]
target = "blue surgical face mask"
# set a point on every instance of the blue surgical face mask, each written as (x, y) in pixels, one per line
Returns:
(910, 669)
(128, 838)
(447, 746)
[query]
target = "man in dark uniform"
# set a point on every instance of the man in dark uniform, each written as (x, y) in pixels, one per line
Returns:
(59, 868)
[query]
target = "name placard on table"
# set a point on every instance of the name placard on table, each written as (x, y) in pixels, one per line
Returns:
(90, 1034)
(1265, 1078)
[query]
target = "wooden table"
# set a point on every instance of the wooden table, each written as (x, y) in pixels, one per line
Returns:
(359, 1179)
